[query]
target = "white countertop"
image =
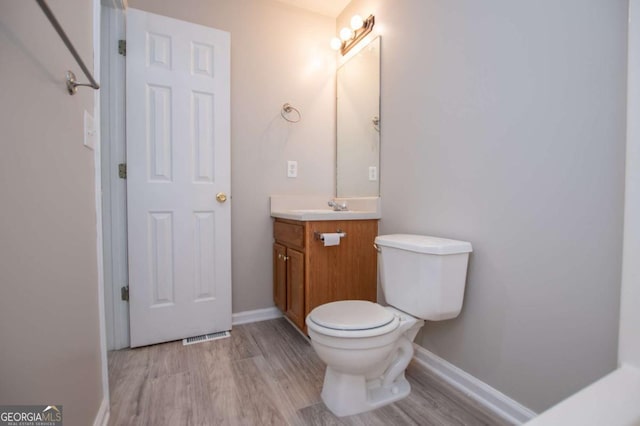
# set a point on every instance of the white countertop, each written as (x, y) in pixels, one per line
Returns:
(324, 214)
(315, 208)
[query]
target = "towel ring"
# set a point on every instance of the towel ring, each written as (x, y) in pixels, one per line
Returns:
(288, 109)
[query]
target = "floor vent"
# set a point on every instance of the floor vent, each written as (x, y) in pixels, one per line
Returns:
(205, 338)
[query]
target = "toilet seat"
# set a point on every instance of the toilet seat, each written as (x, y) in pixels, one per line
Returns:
(352, 318)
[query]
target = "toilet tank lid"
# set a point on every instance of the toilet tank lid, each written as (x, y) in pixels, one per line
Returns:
(424, 244)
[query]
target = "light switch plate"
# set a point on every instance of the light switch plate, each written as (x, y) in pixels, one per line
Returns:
(89, 131)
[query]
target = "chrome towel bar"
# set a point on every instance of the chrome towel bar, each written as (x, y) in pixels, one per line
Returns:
(72, 83)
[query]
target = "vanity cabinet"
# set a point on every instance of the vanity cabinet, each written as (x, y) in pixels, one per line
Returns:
(307, 274)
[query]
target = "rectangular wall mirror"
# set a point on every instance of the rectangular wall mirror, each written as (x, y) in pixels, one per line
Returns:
(358, 124)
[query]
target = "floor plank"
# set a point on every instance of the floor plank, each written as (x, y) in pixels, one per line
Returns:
(266, 373)
(293, 361)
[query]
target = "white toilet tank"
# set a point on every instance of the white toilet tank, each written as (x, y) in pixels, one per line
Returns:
(423, 276)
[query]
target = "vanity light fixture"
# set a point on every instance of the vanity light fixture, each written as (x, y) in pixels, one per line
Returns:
(349, 37)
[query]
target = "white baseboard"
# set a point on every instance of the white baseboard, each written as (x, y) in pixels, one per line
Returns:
(255, 316)
(490, 398)
(102, 418)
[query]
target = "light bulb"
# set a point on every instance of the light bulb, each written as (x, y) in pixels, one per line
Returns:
(357, 22)
(346, 33)
(335, 43)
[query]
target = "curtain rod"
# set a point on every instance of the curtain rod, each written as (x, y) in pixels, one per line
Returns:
(72, 83)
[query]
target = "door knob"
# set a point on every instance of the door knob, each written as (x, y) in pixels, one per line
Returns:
(221, 197)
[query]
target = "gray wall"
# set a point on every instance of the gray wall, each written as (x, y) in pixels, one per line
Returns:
(49, 329)
(504, 125)
(279, 54)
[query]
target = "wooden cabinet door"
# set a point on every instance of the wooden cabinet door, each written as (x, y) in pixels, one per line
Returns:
(347, 271)
(295, 287)
(280, 277)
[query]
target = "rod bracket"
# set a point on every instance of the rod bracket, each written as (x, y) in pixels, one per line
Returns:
(72, 83)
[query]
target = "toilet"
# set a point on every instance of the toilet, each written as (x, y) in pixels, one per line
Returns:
(367, 346)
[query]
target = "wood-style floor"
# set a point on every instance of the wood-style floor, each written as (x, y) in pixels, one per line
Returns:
(266, 373)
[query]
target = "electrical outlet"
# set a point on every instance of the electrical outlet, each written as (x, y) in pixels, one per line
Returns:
(292, 169)
(373, 173)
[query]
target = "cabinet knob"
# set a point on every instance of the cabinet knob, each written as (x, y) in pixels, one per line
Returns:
(285, 258)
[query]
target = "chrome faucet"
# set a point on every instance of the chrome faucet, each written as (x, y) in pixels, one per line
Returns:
(337, 207)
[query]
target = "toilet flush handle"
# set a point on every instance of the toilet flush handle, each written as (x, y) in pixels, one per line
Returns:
(378, 249)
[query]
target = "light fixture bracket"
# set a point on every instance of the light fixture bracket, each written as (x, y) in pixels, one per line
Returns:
(359, 35)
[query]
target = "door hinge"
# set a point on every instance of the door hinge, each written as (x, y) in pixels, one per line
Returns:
(122, 170)
(124, 293)
(122, 47)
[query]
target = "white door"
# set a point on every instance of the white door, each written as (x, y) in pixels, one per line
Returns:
(177, 162)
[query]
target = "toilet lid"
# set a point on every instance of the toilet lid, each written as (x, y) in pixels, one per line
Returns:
(351, 315)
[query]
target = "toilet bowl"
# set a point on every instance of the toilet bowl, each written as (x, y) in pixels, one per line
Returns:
(366, 346)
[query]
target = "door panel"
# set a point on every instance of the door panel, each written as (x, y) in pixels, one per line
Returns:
(295, 287)
(280, 277)
(177, 161)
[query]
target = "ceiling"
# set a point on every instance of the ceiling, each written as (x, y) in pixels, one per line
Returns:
(330, 8)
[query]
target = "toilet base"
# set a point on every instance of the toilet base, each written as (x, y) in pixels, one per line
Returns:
(346, 394)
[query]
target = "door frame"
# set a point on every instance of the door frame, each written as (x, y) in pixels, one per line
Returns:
(629, 336)
(102, 415)
(114, 191)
